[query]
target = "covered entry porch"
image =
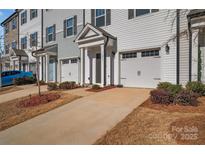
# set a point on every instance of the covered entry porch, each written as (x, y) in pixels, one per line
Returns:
(97, 52)
(47, 59)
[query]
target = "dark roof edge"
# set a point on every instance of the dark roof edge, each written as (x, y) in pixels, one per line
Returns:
(9, 18)
(196, 13)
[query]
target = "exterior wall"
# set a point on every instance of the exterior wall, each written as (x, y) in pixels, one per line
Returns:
(66, 47)
(143, 32)
(31, 26)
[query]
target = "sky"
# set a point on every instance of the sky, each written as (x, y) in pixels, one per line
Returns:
(4, 13)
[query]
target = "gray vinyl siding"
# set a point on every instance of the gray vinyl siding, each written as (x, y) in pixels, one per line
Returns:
(66, 46)
(147, 31)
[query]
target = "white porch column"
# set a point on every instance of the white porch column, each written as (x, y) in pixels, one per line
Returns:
(40, 68)
(102, 64)
(47, 67)
(82, 66)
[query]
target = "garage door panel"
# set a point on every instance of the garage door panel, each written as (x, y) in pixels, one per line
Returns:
(69, 72)
(140, 71)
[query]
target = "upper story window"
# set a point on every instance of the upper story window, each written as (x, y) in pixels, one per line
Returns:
(23, 17)
(50, 33)
(14, 45)
(101, 17)
(6, 28)
(14, 23)
(7, 49)
(34, 39)
(139, 12)
(24, 42)
(69, 27)
(33, 13)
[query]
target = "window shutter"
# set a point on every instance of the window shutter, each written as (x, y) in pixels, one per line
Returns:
(64, 28)
(26, 43)
(30, 14)
(26, 16)
(75, 24)
(54, 32)
(36, 39)
(93, 16)
(108, 17)
(130, 13)
(30, 40)
(21, 20)
(46, 34)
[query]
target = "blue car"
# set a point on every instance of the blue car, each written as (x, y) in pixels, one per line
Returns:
(7, 77)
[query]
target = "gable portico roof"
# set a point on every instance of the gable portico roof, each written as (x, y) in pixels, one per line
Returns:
(97, 30)
(18, 52)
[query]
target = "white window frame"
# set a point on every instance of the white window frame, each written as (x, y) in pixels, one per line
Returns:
(12, 44)
(23, 16)
(100, 16)
(12, 24)
(150, 11)
(25, 43)
(70, 27)
(52, 33)
(34, 11)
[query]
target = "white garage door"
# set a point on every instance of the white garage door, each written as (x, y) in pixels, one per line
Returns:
(140, 69)
(69, 70)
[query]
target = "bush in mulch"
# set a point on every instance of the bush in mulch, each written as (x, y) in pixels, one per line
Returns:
(52, 86)
(196, 87)
(95, 87)
(99, 89)
(37, 100)
(161, 96)
(25, 80)
(41, 82)
(68, 85)
(168, 93)
(187, 97)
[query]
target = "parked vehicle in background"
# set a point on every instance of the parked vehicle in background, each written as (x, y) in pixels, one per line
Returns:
(7, 77)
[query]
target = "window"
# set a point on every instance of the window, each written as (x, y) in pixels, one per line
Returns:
(23, 17)
(34, 39)
(65, 61)
(14, 23)
(50, 33)
(33, 13)
(6, 48)
(139, 12)
(150, 53)
(24, 42)
(6, 28)
(129, 55)
(70, 27)
(13, 45)
(74, 60)
(100, 17)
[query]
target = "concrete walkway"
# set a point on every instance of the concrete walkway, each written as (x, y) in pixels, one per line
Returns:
(81, 122)
(26, 90)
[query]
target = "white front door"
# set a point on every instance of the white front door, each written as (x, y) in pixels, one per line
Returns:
(140, 69)
(52, 70)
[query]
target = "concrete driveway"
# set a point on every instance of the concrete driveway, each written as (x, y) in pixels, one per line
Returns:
(26, 90)
(82, 121)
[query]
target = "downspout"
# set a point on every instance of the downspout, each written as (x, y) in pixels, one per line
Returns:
(105, 55)
(83, 17)
(190, 48)
(42, 43)
(178, 46)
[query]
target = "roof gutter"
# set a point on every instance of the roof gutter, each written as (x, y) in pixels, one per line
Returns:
(177, 45)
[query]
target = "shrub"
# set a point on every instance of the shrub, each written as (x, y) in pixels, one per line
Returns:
(68, 85)
(187, 97)
(161, 96)
(52, 86)
(120, 86)
(41, 82)
(95, 87)
(172, 88)
(196, 87)
(163, 85)
(25, 80)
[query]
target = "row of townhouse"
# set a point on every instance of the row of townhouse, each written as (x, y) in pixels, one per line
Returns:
(133, 47)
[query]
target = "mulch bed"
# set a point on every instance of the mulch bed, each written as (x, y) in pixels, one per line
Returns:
(101, 89)
(19, 110)
(155, 124)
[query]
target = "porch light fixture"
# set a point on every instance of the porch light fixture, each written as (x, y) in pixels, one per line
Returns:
(167, 49)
